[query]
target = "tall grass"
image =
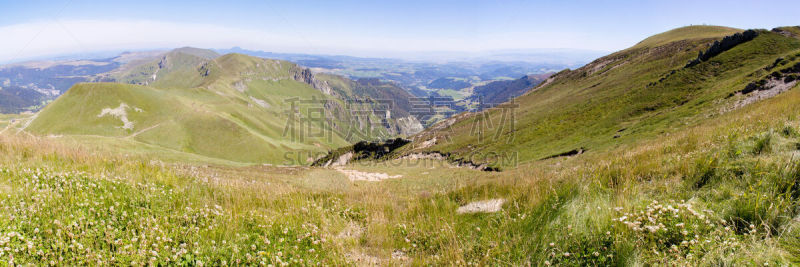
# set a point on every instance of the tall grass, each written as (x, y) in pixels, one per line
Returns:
(688, 198)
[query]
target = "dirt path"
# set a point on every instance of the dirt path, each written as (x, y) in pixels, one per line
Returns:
(9, 126)
(142, 131)
(28, 122)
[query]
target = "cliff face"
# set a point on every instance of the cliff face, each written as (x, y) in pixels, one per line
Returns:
(306, 76)
(409, 126)
(370, 92)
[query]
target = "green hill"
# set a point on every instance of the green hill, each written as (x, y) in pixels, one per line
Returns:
(690, 159)
(232, 108)
(686, 33)
(498, 92)
(198, 52)
(176, 68)
(646, 90)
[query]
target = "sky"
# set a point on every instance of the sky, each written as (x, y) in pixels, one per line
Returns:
(376, 28)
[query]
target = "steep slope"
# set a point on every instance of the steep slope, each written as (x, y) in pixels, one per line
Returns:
(392, 98)
(14, 99)
(449, 83)
(501, 91)
(642, 91)
(234, 107)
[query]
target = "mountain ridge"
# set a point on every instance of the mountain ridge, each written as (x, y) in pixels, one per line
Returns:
(617, 97)
(242, 100)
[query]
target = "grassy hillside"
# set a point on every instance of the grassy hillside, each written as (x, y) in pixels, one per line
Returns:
(791, 31)
(722, 192)
(640, 92)
(232, 108)
(165, 120)
(686, 33)
(501, 91)
(198, 52)
(178, 68)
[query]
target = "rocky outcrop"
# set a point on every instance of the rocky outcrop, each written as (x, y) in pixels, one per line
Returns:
(455, 162)
(361, 151)
(305, 75)
(341, 161)
(792, 31)
(162, 64)
(386, 150)
(715, 49)
(409, 125)
(204, 70)
(724, 45)
(784, 76)
(775, 83)
(570, 153)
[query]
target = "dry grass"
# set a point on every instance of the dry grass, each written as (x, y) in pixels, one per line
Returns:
(577, 204)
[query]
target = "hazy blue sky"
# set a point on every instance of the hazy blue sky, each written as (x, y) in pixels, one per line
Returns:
(365, 28)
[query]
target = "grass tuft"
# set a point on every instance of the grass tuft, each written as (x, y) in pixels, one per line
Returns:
(763, 144)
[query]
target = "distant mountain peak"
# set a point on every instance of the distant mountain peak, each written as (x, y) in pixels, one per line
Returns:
(199, 52)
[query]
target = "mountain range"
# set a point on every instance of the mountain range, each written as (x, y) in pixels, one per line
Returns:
(202, 87)
(30, 85)
(196, 103)
(679, 150)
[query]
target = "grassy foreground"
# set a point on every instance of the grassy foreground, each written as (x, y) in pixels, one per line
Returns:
(723, 193)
